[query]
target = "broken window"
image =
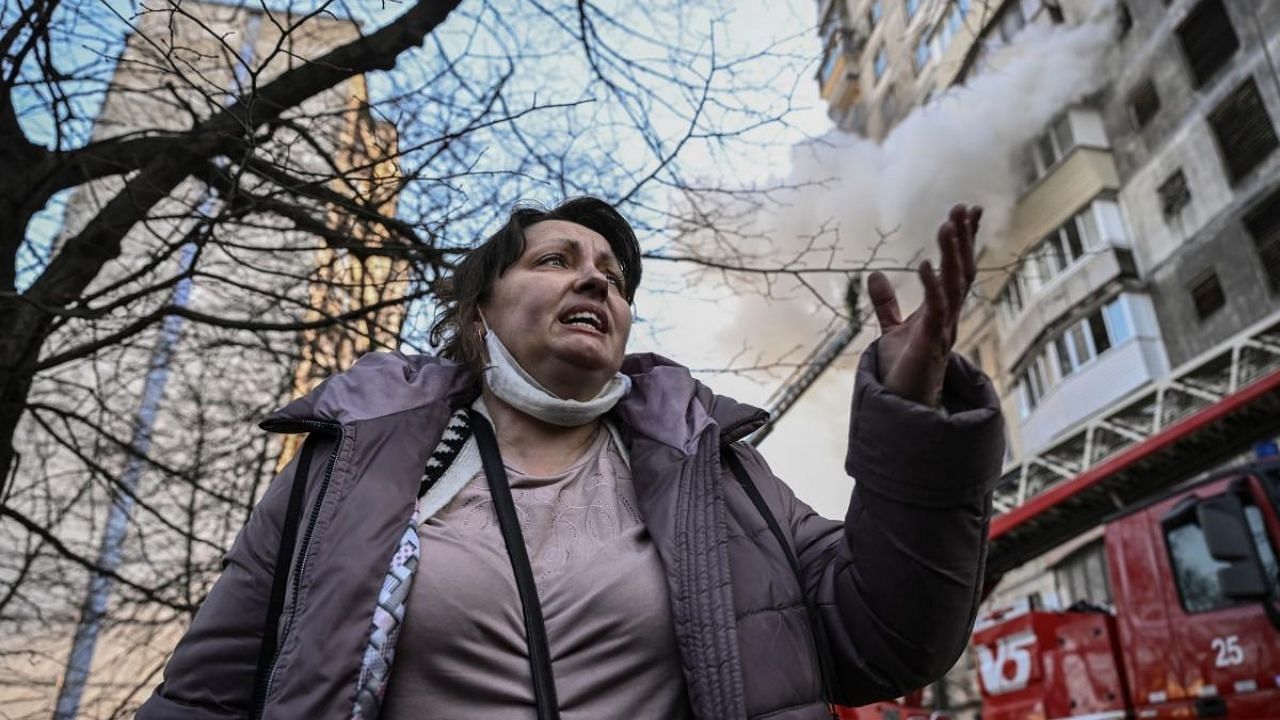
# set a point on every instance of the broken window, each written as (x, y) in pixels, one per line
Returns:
(1207, 294)
(1243, 129)
(1208, 40)
(1174, 194)
(1263, 224)
(1143, 104)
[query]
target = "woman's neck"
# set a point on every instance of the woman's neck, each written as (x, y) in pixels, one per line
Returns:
(535, 446)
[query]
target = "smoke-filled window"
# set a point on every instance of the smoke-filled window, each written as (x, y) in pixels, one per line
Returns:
(1051, 147)
(1208, 40)
(1243, 130)
(1011, 22)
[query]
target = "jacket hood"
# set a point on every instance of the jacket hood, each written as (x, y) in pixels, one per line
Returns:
(385, 383)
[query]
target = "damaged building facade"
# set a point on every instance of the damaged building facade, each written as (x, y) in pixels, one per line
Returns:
(1143, 251)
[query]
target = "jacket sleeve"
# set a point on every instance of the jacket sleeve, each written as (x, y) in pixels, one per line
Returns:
(897, 585)
(210, 675)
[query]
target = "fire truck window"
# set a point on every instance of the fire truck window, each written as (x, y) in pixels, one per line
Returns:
(1197, 572)
(1265, 552)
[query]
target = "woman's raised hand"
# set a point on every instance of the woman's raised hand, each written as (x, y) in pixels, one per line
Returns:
(913, 352)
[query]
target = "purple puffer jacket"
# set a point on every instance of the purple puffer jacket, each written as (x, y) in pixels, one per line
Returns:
(896, 584)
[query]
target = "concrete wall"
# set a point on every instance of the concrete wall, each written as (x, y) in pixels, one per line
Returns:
(1206, 234)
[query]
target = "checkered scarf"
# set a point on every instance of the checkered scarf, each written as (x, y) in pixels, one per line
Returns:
(388, 616)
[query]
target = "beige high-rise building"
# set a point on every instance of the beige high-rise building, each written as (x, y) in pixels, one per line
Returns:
(186, 394)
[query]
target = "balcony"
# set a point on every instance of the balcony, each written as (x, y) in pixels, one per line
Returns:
(1077, 284)
(1114, 374)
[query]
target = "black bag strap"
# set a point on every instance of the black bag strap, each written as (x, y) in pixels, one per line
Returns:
(280, 579)
(826, 666)
(544, 686)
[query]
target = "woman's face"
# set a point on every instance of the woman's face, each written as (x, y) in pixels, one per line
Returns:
(561, 310)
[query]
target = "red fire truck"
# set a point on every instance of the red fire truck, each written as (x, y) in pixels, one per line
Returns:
(1195, 627)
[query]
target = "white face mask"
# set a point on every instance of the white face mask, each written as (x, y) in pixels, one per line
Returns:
(517, 388)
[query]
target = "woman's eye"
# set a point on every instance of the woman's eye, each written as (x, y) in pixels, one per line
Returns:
(616, 280)
(554, 260)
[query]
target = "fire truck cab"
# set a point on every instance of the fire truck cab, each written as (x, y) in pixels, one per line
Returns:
(1195, 627)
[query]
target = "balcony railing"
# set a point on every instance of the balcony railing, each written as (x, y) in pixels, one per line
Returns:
(1252, 355)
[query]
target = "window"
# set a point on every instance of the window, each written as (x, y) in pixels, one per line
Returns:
(1098, 333)
(1174, 194)
(830, 22)
(1263, 224)
(1082, 576)
(1116, 316)
(1243, 130)
(1091, 228)
(1143, 104)
(955, 20)
(912, 7)
(921, 55)
(1048, 149)
(1086, 339)
(881, 61)
(1208, 39)
(947, 29)
(829, 63)
(1031, 382)
(1207, 295)
(1011, 22)
(1011, 298)
(1196, 571)
(1055, 12)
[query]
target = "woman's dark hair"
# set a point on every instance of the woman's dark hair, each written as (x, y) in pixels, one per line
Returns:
(471, 280)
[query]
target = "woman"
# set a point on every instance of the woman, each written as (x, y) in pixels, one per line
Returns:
(537, 525)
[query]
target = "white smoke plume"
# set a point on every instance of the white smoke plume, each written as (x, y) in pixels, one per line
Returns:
(961, 147)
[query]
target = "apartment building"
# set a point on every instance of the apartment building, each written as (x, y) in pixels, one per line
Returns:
(184, 394)
(1145, 237)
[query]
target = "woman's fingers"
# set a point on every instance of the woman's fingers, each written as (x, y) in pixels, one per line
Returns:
(935, 301)
(884, 300)
(950, 236)
(968, 249)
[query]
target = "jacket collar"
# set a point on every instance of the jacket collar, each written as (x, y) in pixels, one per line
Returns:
(385, 383)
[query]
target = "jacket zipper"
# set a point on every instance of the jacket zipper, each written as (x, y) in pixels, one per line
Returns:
(305, 549)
